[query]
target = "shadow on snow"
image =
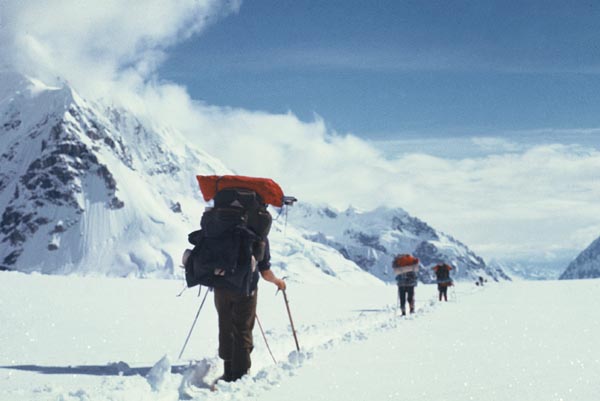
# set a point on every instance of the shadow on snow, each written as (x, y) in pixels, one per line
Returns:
(111, 369)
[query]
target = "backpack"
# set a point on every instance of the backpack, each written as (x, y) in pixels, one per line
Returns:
(231, 241)
(408, 279)
(442, 273)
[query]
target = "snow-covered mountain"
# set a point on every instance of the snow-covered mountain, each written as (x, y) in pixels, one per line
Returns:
(88, 188)
(91, 189)
(586, 264)
(372, 239)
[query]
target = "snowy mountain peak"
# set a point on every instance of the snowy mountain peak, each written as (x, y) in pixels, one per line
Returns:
(586, 264)
(372, 239)
(17, 91)
(80, 182)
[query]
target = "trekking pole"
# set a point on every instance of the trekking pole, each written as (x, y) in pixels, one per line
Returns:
(265, 338)
(454, 297)
(287, 305)
(193, 324)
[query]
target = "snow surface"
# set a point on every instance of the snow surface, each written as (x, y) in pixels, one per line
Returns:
(90, 338)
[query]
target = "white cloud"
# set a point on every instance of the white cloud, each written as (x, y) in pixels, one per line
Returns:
(508, 200)
(512, 205)
(94, 43)
(528, 202)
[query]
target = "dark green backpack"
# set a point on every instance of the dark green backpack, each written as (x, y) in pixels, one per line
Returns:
(231, 240)
(442, 273)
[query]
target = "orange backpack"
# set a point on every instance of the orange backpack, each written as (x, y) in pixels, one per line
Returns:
(405, 260)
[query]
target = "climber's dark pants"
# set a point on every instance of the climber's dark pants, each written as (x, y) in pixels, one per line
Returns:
(404, 293)
(443, 289)
(236, 321)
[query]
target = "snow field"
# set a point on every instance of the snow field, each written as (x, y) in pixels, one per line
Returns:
(86, 338)
(511, 341)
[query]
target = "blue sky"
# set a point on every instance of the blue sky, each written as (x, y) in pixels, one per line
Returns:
(403, 69)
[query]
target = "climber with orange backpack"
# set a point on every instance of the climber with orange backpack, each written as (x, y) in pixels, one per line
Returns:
(231, 252)
(405, 268)
(442, 274)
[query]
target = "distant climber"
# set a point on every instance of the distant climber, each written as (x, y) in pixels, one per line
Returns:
(442, 274)
(405, 267)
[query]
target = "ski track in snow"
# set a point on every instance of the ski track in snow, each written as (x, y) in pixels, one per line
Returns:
(350, 330)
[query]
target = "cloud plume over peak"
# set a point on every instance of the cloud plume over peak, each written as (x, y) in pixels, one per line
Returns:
(91, 43)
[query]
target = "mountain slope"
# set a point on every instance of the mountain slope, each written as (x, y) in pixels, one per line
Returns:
(372, 239)
(586, 264)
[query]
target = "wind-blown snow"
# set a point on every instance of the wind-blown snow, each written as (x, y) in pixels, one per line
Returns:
(85, 338)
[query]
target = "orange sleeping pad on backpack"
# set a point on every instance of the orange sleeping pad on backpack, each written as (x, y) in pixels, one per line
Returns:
(269, 190)
(405, 260)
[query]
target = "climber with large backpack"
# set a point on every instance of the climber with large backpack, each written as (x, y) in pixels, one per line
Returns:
(405, 268)
(231, 251)
(442, 274)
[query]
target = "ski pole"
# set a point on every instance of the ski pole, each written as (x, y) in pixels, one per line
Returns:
(287, 305)
(193, 324)
(265, 338)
